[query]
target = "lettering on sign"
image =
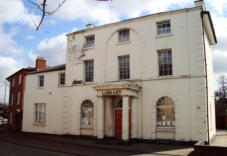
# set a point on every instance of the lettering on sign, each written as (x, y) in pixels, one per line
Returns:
(111, 92)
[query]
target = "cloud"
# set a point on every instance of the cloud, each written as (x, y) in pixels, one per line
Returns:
(30, 37)
(8, 66)
(7, 44)
(219, 7)
(53, 49)
(106, 12)
(219, 50)
(14, 11)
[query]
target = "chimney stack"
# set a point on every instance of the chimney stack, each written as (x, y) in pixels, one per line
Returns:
(40, 63)
(88, 26)
(200, 3)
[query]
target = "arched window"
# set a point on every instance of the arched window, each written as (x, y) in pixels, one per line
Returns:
(165, 112)
(87, 110)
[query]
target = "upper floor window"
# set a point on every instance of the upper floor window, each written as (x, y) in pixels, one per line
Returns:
(40, 113)
(124, 67)
(13, 83)
(89, 41)
(163, 28)
(12, 99)
(18, 98)
(165, 62)
(20, 79)
(62, 79)
(41, 81)
(123, 35)
(89, 70)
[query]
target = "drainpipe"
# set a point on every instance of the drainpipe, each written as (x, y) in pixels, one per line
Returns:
(205, 60)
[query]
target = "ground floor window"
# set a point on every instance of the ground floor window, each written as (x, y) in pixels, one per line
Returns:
(40, 113)
(87, 109)
(165, 112)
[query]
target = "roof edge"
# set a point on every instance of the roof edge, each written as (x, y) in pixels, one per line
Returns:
(130, 19)
(211, 24)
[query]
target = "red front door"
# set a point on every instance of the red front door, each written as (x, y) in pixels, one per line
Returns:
(118, 123)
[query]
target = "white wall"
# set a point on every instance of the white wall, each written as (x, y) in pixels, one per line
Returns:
(186, 86)
(52, 95)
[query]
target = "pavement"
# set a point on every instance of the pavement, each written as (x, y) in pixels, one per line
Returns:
(86, 146)
(8, 149)
(220, 139)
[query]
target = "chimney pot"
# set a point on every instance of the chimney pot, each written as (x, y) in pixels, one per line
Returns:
(40, 63)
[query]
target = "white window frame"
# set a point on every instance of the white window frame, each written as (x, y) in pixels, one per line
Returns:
(18, 97)
(126, 71)
(165, 109)
(40, 113)
(124, 35)
(60, 79)
(87, 114)
(20, 79)
(89, 41)
(39, 81)
(165, 62)
(163, 28)
(89, 70)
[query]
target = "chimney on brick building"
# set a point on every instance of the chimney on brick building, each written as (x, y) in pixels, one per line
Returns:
(40, 63)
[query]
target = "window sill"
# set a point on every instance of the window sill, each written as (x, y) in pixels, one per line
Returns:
(88, 83)
(125, 42)
(166, 77)
(88, 48)
(40, 87)
(86, 126)
(60, 86)
(165, 129)
(39, 124)
(164, 35)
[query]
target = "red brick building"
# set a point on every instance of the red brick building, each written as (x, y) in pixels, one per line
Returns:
(16, 94)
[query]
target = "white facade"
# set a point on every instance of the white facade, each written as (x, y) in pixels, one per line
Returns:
(186, 86)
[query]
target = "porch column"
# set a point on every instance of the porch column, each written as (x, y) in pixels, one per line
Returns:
(134, 117)
(125, 119)
(100, 117)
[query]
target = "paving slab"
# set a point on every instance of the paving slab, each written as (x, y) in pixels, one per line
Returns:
(89, 146)
(220, 139)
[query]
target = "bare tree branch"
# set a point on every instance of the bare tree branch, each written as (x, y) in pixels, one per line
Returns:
(42, 7)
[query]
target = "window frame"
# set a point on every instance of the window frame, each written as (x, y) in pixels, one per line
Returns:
(18, 97)
(13, 82)
(60, 79)
(123, 37)
(39, 114)
(19, 80)
(163, 31)
(165, 67)
(125, 75)
(12, 99)
(39, 81)
(87, 114)
(165, 107)
(89, 43)
(88, 75)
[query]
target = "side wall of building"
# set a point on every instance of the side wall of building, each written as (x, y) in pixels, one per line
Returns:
(51, 95)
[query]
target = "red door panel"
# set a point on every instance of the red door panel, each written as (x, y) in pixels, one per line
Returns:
(118, 123)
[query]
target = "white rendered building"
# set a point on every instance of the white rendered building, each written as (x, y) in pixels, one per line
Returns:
(143, 78)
